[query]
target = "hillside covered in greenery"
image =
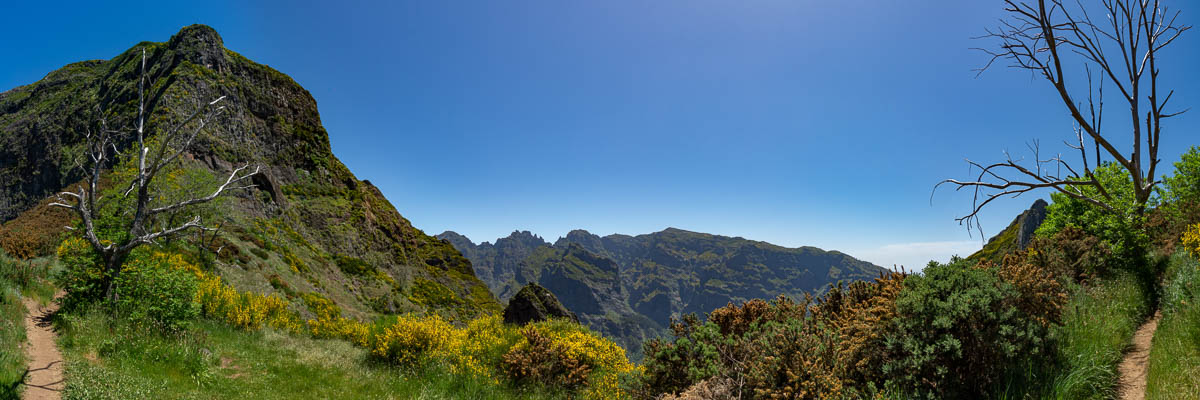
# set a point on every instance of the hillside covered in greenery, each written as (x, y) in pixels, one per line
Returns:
(309, 228)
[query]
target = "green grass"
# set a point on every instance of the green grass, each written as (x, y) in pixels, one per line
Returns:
(110, 358)
(1098, 323)
(12, 334)
(1175, 352)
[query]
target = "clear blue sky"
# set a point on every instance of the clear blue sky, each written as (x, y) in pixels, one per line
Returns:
(798, 122)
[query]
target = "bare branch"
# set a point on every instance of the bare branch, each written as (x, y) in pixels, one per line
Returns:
(233, 179)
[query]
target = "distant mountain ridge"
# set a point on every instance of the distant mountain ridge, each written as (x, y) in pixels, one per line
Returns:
(629, 287)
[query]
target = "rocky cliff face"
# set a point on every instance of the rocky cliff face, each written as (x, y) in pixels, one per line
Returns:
(310, 226)
(1016, 236)
(629, 287)
(1029, 221)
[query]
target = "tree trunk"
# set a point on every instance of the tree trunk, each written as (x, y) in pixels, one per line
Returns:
(112, 271)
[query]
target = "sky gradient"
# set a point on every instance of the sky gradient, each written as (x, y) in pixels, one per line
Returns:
(819, 123)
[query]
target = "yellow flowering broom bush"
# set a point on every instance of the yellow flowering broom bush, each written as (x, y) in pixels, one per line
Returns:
(565, 354)
(1191, 240)
(242, 309)
(330, 324)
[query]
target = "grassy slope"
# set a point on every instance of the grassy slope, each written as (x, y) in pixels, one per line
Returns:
(1098, 323)
(1175, 352)
(108, 358)
(12, 334)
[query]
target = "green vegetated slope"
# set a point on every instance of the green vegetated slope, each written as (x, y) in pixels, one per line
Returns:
(309, 226)
(629, 287)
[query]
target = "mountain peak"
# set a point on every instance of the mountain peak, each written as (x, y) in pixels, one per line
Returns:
(201, 45)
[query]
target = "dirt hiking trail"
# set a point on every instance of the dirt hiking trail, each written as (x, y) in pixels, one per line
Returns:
(1137, 361)
(44, 379)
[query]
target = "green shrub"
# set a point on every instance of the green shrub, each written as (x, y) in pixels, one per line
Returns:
(81, 275)
(155, 291)
(1184, 184)
(12, 335)
(672, 366)
(353, 265)
(957, 330)
(1071, 252)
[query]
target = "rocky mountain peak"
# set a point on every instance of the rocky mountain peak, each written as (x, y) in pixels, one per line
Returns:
(201, 45)
(521, 239)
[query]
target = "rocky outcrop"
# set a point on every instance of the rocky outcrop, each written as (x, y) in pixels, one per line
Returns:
(1016, 236)
(1029, 221)
(535, 303)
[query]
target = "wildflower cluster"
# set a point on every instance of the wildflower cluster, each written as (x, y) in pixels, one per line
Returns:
(568, 355)
(242, 309)
(1191, 240)
(473, 350)
(329, 322)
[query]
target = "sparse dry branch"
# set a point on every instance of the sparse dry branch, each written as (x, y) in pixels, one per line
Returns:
(1048, 37)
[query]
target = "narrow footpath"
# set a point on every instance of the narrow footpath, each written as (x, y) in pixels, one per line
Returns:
(1137, 361)
(44, 380)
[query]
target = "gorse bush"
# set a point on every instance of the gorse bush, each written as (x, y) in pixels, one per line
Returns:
(540, 359)
(561, 352)
(1071, 252)
(828, 347)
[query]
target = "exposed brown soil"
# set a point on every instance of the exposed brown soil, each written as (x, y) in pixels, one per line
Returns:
(44, 379)
(1137, 361)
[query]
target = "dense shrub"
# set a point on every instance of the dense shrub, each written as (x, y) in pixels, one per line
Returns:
(567, 353)
(540, 359)
(247, 310)
(158, 289)
(1184, 185)
(692, 356)
(954, 322)
(81, 276)
(829, 347)
(1120, 229)
(1191, 240)
(329, 322)
(1071, 252)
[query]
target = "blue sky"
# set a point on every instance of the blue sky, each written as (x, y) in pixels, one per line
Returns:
(798, 122)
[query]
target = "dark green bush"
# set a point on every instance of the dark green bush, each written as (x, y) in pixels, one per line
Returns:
(692, 356)
(956, 330)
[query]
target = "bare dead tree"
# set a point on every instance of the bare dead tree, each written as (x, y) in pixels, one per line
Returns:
(1049, 37)
(101, 148)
